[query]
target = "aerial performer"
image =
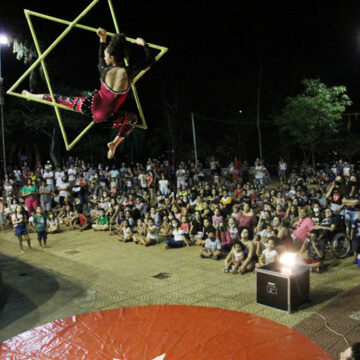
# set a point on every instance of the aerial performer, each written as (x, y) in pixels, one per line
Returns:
(115, 77)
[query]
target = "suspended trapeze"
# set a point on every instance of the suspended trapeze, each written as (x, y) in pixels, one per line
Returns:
(42, 56)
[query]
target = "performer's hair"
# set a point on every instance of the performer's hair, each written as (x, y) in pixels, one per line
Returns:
(117, 48)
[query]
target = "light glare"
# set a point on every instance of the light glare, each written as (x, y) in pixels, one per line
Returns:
(288, 259)
(3, 39)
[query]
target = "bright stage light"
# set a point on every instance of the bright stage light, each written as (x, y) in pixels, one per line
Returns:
(3, 39)
(288, 259)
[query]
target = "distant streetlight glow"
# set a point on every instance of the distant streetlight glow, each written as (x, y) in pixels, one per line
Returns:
(3, 39)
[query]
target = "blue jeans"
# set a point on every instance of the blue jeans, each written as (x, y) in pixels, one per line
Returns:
(350, 217)
(172, 243)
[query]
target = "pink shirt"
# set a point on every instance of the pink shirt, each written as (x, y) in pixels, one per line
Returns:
(303, 228)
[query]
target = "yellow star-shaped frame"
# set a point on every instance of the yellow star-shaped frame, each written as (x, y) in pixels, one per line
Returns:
(42, 56)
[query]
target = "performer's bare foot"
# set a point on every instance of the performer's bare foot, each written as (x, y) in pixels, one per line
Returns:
(26, 93)
(112, 148)
(30, 95)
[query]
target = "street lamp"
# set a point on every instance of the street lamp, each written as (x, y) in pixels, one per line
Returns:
(3, 41)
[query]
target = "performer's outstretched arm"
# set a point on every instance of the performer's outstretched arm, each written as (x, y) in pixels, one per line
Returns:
(148, 61)
(102, 35)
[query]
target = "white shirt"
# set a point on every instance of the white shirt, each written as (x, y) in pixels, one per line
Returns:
(142, 179)
(179, 235)
(49, 176)
(270, 256)
(71, 173)
(152, 236)
(58, 176)
(62, 185)
(259, 172)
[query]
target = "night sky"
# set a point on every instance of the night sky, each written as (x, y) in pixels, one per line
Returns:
(214, 49)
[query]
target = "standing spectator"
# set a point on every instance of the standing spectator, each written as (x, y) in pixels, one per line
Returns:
(282, 170)
(259, 172)
(180, 177)
(19, 222)
(45, 196)
(49, 178)
(40, 226)
(163, 184)
(29, 192)
(64, 190)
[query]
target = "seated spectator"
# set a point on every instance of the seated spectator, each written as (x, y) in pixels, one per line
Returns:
(151, 233)
(126, 233)
(303, 226)
(269, 254)
(231, 235)
(205, 231)
(139, 232)
(102, 222)
(164, 229)
(245, 217)
(235, 258)
(82, 221)
(249, 250)
(196, 227)
(68, 216)
(328, 224)
(53, 225)
(315, 252)
(178, 238)
(212, 247)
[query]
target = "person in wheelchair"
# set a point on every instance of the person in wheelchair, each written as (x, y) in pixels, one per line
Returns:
(328, 225)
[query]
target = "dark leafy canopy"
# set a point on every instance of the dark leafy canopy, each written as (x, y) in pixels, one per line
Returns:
(311, 119)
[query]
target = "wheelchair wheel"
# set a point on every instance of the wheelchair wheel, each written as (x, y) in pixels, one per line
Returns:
(340, 245)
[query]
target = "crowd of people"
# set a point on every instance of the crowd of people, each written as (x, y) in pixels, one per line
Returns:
(238, 213)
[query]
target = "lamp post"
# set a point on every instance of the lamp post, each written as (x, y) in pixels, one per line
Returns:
(3, 41)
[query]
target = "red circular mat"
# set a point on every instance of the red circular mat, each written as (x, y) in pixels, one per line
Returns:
(163, 332)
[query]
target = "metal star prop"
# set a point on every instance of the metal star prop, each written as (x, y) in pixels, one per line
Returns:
(42, 56)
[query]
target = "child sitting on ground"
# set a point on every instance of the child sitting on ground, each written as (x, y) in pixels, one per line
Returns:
(234, 258)
(82, 222)
(102, 222)
(178, 239)
(140, 232)
(126, 233)
(212, 247)
(151, 234)
(269, 254)
(52, 223)
(316, 252)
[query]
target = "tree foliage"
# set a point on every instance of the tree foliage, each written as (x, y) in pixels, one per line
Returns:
(312, 119)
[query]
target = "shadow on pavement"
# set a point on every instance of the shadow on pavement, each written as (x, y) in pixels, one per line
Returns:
(25, 287)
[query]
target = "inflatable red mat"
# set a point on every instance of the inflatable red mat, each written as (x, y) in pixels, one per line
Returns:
(162, 332)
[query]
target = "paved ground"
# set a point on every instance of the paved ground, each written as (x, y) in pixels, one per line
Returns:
(83, 272)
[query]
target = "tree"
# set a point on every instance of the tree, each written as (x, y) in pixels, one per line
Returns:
(311, 119)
